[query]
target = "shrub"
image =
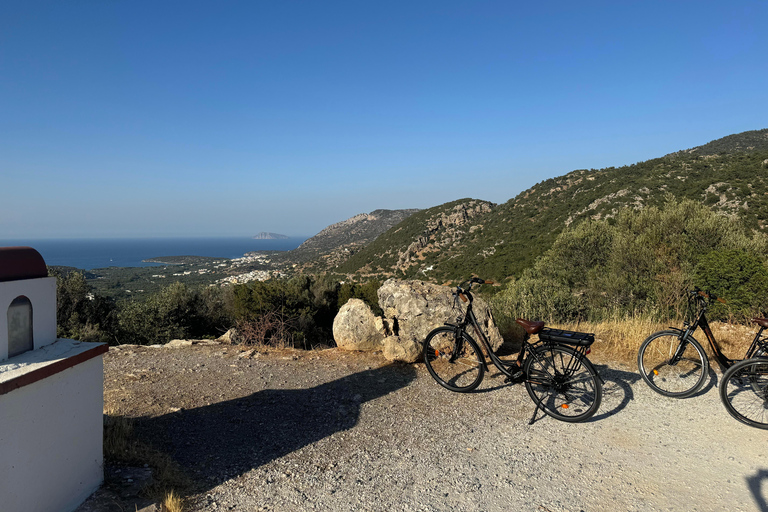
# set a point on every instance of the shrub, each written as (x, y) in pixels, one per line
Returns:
(739, 277)
(177, 311)
(80, 313)
(641, 264)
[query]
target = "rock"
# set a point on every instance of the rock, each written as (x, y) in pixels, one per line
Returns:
(413, 308)
(178, 343)
(228, 337)
(397, 348)
(355, 327)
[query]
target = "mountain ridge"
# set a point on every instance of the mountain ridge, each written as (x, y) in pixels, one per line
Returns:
(499, 241)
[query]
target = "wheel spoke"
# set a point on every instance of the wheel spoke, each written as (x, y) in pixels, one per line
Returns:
(454, 363)
(678, 377)
(744, 392)
(562, 384)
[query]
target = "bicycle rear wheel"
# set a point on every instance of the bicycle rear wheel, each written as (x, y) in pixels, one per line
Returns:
(455, 362)
(562, 383)
(671, 366)
(744, 392)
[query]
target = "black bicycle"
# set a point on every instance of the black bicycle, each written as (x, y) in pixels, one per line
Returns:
(559, 378)
(673, 363)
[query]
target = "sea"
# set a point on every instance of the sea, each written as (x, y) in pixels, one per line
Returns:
(90, 253)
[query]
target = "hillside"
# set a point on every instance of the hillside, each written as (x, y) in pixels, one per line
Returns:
(418, 243)
(335, 244)
(454, 240)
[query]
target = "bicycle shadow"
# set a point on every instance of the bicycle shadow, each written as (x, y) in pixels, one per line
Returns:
(218, 442)
(756, 486)
(617, 390)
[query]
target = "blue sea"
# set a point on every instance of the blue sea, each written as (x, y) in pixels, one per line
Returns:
(90, 253)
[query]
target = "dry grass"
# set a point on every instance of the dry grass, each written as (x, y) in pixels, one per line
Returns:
(122, 447)
(173, 502)
(619, 339)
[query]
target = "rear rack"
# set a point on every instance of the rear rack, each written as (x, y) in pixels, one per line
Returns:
(578, 339)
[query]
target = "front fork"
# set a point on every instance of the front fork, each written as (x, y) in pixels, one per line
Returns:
(680, 350)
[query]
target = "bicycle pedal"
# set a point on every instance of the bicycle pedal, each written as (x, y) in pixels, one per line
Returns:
(516, 377)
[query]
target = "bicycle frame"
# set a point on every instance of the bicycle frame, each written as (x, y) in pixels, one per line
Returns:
(702, 322)
(556, 372)
(471, 319)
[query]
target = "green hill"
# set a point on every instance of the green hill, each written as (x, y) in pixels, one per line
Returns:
(457, 239)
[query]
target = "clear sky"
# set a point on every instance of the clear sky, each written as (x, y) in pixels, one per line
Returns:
(184, 118)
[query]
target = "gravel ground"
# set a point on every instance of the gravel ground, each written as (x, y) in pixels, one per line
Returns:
(330, 430)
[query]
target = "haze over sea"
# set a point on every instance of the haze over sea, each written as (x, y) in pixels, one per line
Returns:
(90, 253)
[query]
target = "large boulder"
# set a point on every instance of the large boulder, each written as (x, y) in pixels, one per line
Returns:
(357, 328)
(413, 308)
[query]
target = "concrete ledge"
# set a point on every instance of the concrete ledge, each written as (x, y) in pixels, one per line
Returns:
(35, 365)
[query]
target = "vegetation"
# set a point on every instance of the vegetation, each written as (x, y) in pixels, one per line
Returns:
(297, 312)
(80, 313)
(642, 263)
(175, 312)
(123, 447)
(593, 245)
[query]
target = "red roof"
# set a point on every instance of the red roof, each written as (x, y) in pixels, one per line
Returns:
(21, 263)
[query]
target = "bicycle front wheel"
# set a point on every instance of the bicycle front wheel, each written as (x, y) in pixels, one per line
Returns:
(562, 383)
(744, 392)
(672, 366)
(455, 362)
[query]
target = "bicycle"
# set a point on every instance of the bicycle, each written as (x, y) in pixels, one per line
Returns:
(559, 378)
(744, 391)
(673, 363)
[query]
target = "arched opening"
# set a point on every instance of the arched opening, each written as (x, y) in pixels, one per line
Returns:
(19, 326)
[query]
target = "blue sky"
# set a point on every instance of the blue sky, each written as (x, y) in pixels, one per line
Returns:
(131, 118)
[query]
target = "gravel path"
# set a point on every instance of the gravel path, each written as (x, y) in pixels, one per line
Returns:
(330, 430)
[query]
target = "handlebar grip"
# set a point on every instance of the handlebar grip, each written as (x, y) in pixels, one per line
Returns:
(711, 296)
(463, 297)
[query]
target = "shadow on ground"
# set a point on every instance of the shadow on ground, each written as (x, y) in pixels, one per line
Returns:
(221, 441)
(758, 486)
(617, 390)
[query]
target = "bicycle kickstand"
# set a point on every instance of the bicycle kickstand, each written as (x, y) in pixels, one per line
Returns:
(535, 412)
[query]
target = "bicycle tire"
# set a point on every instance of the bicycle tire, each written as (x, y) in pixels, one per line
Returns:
(455, 363)
(744, 392)
(562, 385)
(679, 380)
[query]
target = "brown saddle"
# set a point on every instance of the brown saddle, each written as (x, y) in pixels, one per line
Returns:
(532, 327)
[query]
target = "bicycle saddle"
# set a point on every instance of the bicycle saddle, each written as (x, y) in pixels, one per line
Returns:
(762, 322)
(529, 326)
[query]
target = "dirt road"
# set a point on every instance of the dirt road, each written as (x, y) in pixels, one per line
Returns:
(330, 430)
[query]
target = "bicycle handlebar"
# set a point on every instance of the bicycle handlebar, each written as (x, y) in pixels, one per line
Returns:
(707, 295)
(461, 292)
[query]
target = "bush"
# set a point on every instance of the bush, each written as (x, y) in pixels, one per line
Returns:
(176, 312)
(82, 314)
(739, 277)
(640, 264)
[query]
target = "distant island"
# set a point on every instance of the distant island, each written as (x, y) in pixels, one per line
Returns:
(270, 236)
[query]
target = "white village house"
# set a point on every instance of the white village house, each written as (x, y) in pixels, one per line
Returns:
(51, 396)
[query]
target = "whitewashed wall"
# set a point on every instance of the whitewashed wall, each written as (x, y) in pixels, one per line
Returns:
(51, 439)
